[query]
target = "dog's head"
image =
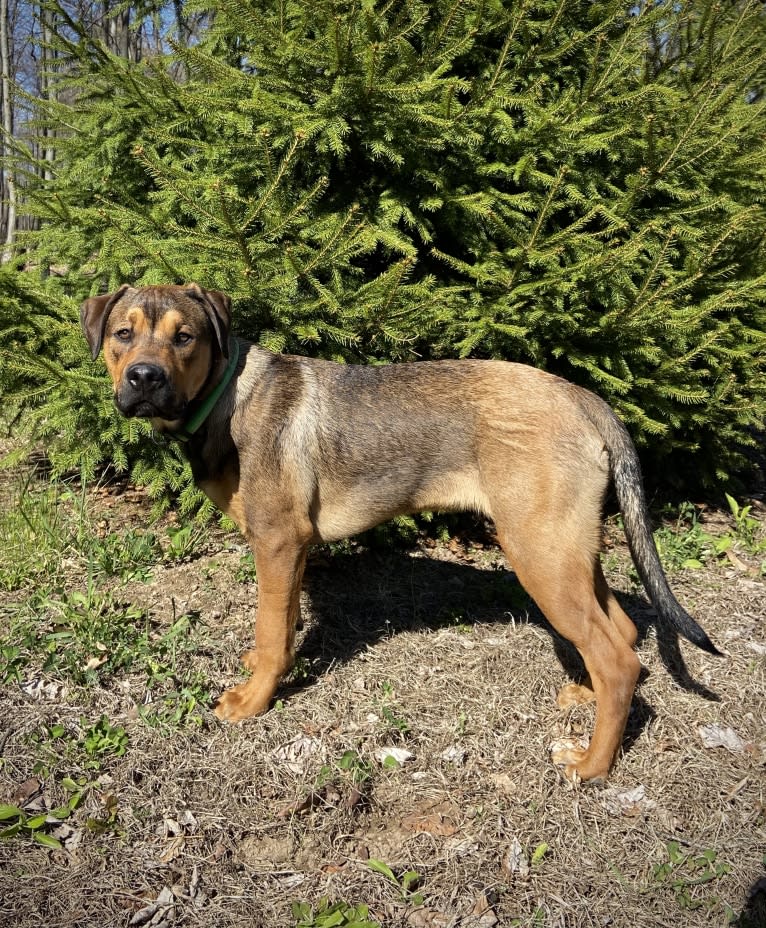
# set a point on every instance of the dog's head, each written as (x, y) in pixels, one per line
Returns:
(160, 345)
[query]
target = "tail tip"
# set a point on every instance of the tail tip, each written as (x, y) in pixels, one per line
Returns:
(707, 645)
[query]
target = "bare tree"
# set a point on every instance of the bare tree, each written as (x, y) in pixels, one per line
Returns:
(9, 181)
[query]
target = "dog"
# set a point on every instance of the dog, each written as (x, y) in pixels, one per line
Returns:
(298, 451)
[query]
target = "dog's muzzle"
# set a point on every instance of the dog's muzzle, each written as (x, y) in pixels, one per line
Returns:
(147, 393)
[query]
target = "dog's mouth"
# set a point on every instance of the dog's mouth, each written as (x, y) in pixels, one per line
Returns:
(140, 406)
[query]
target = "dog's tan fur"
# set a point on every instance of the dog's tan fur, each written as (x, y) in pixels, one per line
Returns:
(298, 451)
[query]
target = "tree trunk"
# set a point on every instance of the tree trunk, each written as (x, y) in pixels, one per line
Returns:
(47, 89)
(7, 133)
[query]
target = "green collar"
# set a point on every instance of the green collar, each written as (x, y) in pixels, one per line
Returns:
(196, 421)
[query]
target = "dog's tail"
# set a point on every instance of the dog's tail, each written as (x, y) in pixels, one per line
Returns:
(629, 487)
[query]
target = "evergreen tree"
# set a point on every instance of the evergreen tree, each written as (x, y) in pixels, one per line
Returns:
(573, 184)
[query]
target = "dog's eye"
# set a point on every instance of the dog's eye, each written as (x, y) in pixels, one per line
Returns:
(123, 334)
(183, 338)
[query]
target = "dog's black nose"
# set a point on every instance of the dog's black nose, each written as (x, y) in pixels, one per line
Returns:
(145, 376)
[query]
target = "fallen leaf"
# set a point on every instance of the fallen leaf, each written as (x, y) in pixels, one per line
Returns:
(720, 736)
(440, 826)
(398, 755)
(300, 806)
(296, 753)
(353, 798)
(460, 847)
(189, 822)
(174, 848)
(26, 791)
(738, 562)
(429, 918)
(483, 909)
(154, 913)
(454, 755)
(39, 689)
(93, 663)
(197, 895)
(505, 783)
(631, 802)
(69, 837)
(514, 862)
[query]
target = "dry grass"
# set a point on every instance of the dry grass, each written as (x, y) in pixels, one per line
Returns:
(438, 652)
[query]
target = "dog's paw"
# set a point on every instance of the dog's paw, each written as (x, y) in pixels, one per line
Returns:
(574, 694)
(244, 701)
(228, 707)
(573, 755)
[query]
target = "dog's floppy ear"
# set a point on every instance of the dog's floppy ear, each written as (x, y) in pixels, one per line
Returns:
(93, 316)
(217, 305)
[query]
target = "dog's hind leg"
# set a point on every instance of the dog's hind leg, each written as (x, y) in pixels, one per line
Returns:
(573, 694)
(279, 561)
(551, 537)
(562, 586)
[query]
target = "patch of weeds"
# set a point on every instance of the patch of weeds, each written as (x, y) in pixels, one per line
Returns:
(48, 525)
(341, 784)
(102, 739)
(15, 822)
(300, 672)
(175, 694)
(394, 721)
(89, 637)
(128, 555)
(13, 662)
(332, 915)
(407, 883)
(683, 871)
(343, 548)
(349, 768)
(34, 534)
(456, 620)
(686, 545)
(184, 541)
(748, 531)
(84, 636)
(175, 701)
(245, 572)
(89, 747)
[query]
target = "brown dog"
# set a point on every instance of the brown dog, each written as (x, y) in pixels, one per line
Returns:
(298, 451)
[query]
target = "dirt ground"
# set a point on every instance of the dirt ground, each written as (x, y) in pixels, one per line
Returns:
(437, 653)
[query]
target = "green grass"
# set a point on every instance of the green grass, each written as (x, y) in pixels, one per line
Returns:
(90, 635)
(328, 914)
(46, 526)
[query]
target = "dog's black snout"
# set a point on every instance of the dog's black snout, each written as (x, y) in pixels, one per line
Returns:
(145, 376)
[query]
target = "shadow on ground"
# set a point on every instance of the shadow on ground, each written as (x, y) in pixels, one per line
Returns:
(360, 598)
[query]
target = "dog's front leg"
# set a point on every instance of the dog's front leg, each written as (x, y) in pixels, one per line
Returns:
(279, 563)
